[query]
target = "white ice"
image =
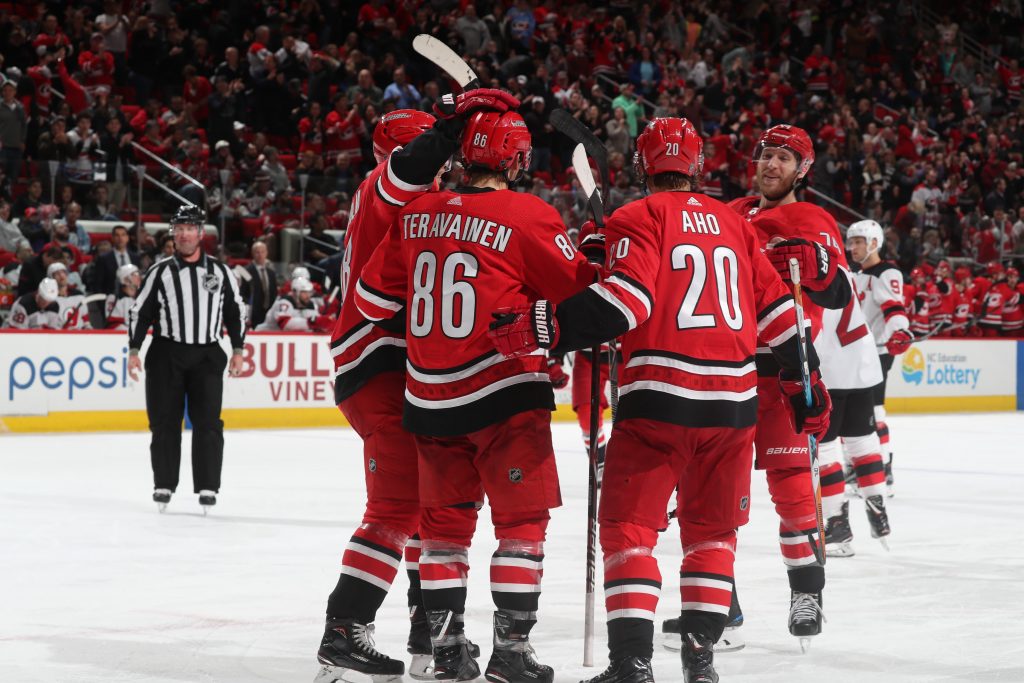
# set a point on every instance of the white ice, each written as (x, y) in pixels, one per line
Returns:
(95, 585)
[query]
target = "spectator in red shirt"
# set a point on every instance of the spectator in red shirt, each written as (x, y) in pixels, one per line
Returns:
(197, 92)
(96, 63)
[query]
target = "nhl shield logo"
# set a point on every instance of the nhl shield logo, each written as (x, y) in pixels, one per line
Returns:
(372, 465)
(515, 475)
(744, 502)
(211, 282)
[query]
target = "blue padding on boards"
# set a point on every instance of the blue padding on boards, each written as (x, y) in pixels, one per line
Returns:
(1020, 375)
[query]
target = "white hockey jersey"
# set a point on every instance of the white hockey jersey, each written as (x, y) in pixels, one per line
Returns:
(846, 348)
(26, 315)
(880, 290)
(117, 311)
(288, 314)
(74, 312)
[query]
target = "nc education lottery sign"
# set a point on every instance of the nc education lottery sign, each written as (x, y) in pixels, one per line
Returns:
(950, 375)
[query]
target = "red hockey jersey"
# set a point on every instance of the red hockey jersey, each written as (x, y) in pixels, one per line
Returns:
(688, 276)
(449, 261)
(361, 349)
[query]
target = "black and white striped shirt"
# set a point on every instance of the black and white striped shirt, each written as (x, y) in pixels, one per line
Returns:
(188, 303)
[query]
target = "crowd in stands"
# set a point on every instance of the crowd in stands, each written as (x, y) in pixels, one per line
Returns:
(270, 106)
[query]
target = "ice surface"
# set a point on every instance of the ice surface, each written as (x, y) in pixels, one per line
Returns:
(96, 586)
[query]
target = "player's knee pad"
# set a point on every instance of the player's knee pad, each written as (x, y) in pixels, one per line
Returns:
(880, 414)
(452, 524)
(529, 526)
(383, 534)
(791, 491)
(699, 538)
(397, 514)
(830, 452)
(620, 536)
(859, 446)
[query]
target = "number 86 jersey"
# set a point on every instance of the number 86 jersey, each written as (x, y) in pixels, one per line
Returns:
(450, 259)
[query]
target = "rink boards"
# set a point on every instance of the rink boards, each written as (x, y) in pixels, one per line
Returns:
(78, 381)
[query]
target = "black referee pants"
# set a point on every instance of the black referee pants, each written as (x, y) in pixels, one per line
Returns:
(174, 371)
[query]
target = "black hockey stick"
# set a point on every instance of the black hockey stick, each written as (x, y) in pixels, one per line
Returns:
(586, 178)
(569, 126)
(818, 547)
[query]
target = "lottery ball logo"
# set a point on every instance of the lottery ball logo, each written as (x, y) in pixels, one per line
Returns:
(913, 366)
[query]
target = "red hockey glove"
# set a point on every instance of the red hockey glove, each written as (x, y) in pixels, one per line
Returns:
(322, 323)
(817, 264)
(559, 379)
(593, 247)
(813, 418)
(522, 330)
(899, 342)
(451, 106)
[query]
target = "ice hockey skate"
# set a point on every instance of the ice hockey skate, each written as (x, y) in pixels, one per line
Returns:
(626, 670)
(162, 497)
(512, 660)
(731, 640)
(698, 657)
(347, 651)
(453, 660)
(838, 536)
(805, 617)
(421, 666)
(878, 519)
(207, 499)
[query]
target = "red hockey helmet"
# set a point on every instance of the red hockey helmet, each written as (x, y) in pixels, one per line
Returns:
(669, 145)
(792, 138)
(962, 273)
(495, 140)
(994, 268)
(398, 128)
(1012, 272)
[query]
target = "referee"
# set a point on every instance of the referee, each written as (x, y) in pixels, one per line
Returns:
(187, 299)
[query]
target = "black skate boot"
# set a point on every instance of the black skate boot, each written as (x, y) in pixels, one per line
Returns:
(698, 656)
(348, 646)
(161, 497)
(877, 517)
(512, 660)
(421, 667)
(805, 617)
(207, 499)
(838, 536)
(731, 640)
(626, 670)
(888, 478)
(453, 660)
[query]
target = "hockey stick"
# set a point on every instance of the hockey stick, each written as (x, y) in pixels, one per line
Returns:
(569, 126)
(447, 60)
(812, 443)
(586, 178)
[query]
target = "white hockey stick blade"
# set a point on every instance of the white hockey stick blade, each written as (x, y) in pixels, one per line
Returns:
(581, 164)
(445, 58)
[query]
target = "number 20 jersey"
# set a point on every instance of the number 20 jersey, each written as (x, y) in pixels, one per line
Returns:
(450, 259)
(688, 275)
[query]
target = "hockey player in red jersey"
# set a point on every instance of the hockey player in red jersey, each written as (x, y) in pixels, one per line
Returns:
(963, 305)
(915, 301)
(782, 159)
(879, 288)
(993, 298)
(369, 384)
(1013, 312)
(481, 422)
(689, 291)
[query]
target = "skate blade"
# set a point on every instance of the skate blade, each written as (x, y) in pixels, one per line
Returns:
(338, 674)
(161, 507)
(206, 509)
(839, 550)
(805, 644)
(885, 543)
(422, 667)
(673, 642)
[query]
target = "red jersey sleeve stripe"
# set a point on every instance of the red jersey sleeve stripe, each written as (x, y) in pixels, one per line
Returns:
(633, 287)
(772, 312)
(376, 305)
(621, 307)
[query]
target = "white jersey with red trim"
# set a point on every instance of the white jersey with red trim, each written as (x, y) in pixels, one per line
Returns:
(849, 359)
(74, 312)
(26, 315)
(287, 314)
(880, 291)
(117, 311)
(361, 349)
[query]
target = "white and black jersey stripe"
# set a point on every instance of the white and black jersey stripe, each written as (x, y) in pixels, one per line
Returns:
(188, 303)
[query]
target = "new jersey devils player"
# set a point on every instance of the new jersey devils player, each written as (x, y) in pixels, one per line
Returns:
(481, 422)
(369, 384)
(879, 286)
(690, 292)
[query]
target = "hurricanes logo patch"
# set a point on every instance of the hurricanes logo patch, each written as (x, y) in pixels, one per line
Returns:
(211, 282)
(744, 502)
(372, 465)
(515, 475)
